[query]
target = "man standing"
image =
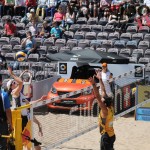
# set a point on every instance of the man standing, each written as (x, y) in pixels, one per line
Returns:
(105, 117)
(106, 76)
(5, 117)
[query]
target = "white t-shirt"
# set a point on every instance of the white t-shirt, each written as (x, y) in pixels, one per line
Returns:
(105, 79)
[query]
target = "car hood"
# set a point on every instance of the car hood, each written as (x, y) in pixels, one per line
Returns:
(71, 85)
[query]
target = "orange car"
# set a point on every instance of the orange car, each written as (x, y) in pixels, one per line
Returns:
(82, 100)
(78, 80)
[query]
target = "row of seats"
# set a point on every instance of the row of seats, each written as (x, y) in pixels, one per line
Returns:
(81, 35)
(39, 70)
(135, 56)
(131, 28)
(43, 45)
(39, 75)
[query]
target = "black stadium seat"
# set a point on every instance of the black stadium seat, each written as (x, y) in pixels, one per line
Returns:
(86, 28)
(120, 44)
(125, 36)
(137, 36)
(48, 42)
(90, 36)
(24, 65)
(146, 37)
(97, 28)
(144, 45)
(95, 43)
(42, 50)
(147, 53)
(74, 27)
(60, 43)
(101, 49)
(79, 35)
(113, 50)
(41, 75)
(33, 58)
(92, 21)
(132, 44)
(37, 66)
(64, 48)
(144, 60)
(125, 52)
(16, 48)
(50, 67)
(52, 49)
(133, 60)
(82, 20)
(107, 44)
(113, 36)
(15, 41)
(102, 36)
(10, 57)
(76, 48)
(84, 43)
(72, 43)
(6, 49)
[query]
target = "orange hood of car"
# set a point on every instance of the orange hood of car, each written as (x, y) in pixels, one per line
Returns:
(71, 84)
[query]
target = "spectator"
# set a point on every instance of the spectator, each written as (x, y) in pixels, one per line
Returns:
(5, 117)
(9, 29)
(45, 31)
(42, 5)
(2, 62)
(59, 17)
(20, 8)
(105, 117)
(70, 17)
(56, 31)
(9, 7)
(2, 2)
(84, 11)
(106, 76)
(33, 29)
(31, 4)
(103, 5)
(29, 43)
(33, 16)
(51, 7)
(113, 18)
(123, 20)
(145, 17)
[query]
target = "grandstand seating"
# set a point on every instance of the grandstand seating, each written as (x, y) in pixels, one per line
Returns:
(91, 33)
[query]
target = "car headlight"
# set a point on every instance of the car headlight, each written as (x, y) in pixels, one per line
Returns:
(53, 90)
(87, 92)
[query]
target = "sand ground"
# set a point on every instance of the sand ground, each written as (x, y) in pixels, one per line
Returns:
(130, 135)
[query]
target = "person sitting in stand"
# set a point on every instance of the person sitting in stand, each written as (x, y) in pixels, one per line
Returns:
(33, 16)
(56, 31)
(9, 7)
(59, 17)
(33, 29)
(42, 6)
(29, 43)
(145, 17)
(20, 8)
(45, 31)
(31, 4)
(9, 29)
(70, 17)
